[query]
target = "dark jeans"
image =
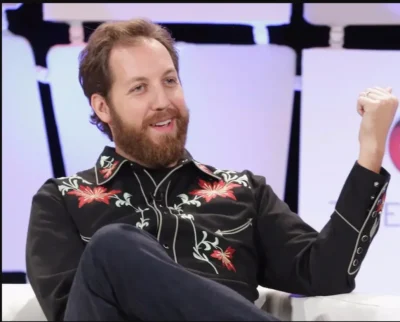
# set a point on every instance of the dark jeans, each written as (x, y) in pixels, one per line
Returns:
(125, 274)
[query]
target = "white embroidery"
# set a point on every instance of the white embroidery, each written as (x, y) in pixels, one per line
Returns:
(100, 194)
(235, 230)
(71, 184)
(232, 177)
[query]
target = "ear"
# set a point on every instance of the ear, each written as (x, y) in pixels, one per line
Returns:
(100, 107)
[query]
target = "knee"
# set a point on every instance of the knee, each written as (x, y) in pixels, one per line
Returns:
(114, 239)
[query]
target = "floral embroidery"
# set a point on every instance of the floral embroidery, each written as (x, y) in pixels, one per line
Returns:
(205, 248)
(108, 166)
(87, 195)
(379, 208)
(228, 176)
(144, 222)
(204, 168)
(225, 257)
(232, 176)
(210, 191)
(107, 172)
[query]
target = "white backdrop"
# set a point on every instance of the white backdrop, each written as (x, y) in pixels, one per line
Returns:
(240, 99)
(267, 13)
(26, 162)
(345, 14)
(332, 80)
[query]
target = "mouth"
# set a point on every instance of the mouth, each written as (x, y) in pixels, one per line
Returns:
(163, 126)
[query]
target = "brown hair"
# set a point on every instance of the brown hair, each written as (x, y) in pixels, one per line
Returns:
(94, 70)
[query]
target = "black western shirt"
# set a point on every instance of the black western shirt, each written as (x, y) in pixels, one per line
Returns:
(225, 225)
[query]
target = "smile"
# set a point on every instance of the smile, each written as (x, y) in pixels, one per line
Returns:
(162, 124)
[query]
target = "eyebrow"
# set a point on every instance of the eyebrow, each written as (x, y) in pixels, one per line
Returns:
(142, 78)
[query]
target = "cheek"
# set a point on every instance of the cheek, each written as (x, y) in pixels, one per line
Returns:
(178, 99)
(130, 115)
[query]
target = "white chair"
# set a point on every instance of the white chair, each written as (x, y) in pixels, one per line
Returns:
(20, 304)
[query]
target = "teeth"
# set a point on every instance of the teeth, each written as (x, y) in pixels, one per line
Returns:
(163, 123)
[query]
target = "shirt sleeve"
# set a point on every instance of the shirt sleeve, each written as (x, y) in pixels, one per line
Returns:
(53, 251)
(297, 259)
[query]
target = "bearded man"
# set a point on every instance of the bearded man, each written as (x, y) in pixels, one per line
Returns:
(149, 233)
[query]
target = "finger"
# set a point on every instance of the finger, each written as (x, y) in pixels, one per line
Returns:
(382, 90)
(366, 100)
(360, 109)
(376, 91)
(375, 96)
(362, 102)
(372, 94)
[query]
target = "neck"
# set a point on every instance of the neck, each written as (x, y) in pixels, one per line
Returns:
(130, 158)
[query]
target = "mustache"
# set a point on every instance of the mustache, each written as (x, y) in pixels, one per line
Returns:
(161, 116)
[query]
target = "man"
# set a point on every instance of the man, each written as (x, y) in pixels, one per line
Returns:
(149, 233)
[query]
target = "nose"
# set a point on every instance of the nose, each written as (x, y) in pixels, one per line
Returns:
(161, 100)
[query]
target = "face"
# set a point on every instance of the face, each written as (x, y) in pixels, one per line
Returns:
(146, 110)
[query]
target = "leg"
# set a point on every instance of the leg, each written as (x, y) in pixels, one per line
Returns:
(125, 274)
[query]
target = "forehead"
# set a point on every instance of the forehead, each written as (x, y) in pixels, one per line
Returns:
(145, 58)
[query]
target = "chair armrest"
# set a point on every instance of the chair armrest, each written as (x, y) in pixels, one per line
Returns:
(19, 303)
(343, 307)
(347, 307)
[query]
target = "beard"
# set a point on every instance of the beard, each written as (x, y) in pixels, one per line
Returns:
(138, 144)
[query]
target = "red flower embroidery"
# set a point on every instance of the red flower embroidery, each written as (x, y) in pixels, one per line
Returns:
(210, 191)
(379, 207)
(87, 195)
(107, 172)
(204, 168)
(225, 257)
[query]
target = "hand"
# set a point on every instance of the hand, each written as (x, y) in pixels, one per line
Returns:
(377, 106)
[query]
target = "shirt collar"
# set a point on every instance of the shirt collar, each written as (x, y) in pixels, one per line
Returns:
(110, 162)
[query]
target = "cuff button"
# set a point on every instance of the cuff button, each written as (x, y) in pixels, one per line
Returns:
(355, 262)
(364, 238)
(359, 250)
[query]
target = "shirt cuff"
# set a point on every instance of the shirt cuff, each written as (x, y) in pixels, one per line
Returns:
(360, 205)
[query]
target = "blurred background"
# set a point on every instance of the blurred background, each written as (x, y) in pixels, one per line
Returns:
(271, 88)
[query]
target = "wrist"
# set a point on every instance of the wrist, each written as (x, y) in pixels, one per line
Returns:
(371, 157)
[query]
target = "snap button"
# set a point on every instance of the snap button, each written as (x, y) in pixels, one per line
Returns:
(166, 246)
(359, 250)
(374, 214)
(355, 262)
(376, 184)
(372, 197)
(364, 238)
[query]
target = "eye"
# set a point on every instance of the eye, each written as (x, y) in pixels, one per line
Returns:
(138, 88)
(171, 80)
